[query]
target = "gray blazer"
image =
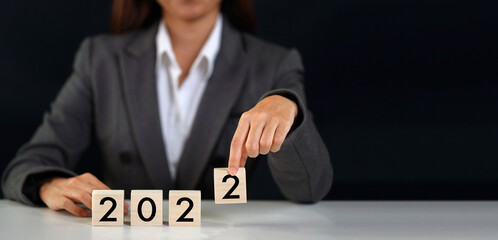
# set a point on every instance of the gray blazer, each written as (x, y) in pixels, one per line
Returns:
(112, 95)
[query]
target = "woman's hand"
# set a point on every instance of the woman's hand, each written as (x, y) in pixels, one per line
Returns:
(261, 130)
(64, 193)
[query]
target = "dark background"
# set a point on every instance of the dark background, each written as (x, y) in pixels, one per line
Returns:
(404, 93)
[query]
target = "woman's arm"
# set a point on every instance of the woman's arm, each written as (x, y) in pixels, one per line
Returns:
(42, 172)
(280, 123)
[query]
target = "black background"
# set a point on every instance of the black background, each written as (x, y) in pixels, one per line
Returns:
(404, 93)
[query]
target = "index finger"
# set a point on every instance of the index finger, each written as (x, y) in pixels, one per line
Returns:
(237, 145)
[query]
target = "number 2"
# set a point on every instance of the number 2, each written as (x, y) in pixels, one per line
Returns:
(106, 218)
(235, 185)
(189, 208)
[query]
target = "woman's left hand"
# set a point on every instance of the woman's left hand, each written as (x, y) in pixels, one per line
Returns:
(261, 130)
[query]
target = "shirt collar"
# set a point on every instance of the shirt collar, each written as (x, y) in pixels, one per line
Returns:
(209, 50)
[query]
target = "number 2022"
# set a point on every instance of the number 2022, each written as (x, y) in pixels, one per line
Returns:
(147, 205)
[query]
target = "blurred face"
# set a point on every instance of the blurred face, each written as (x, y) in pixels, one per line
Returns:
(189, 9)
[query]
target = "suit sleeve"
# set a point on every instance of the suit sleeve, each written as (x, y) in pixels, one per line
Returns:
(59, 141)
(302, 168)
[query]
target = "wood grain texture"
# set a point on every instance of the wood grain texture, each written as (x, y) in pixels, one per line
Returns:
(223, 182)
(100, 207)
(153, 217)
(177, 208)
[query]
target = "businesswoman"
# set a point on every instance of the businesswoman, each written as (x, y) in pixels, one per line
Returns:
(178, 89)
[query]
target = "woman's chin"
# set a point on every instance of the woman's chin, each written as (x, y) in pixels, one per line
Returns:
(191, 15)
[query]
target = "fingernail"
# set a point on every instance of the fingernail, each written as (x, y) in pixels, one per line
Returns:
(233, 171)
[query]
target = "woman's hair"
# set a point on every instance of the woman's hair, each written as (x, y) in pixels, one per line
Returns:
(128, 15)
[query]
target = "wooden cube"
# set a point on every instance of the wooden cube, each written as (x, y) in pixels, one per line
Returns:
(184, 208)
(107, 207)
(228, 188)
(146, 207)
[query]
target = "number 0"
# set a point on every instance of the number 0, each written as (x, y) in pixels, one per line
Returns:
(153, 212)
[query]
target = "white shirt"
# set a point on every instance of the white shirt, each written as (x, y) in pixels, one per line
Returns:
(178, 104)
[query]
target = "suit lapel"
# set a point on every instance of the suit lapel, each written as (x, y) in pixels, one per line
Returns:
(139, 85)
(219, 97)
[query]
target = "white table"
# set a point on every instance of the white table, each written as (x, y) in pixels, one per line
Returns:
(275, 220)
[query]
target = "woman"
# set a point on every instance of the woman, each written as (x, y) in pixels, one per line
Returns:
(180, 90)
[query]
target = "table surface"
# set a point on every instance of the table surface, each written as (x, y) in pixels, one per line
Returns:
(275, 220)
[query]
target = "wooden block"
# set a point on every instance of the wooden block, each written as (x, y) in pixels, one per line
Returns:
(146, 207)
(107, 207)
(228, 188)
(184, 208)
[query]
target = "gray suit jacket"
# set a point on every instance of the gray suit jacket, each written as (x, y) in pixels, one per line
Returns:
(112, 94)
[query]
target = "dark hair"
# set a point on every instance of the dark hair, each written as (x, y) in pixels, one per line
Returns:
(128, 15)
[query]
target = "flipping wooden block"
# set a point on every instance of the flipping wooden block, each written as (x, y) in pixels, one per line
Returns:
(107, 207)
(228, 188)
(184, 208)
(146, 207)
